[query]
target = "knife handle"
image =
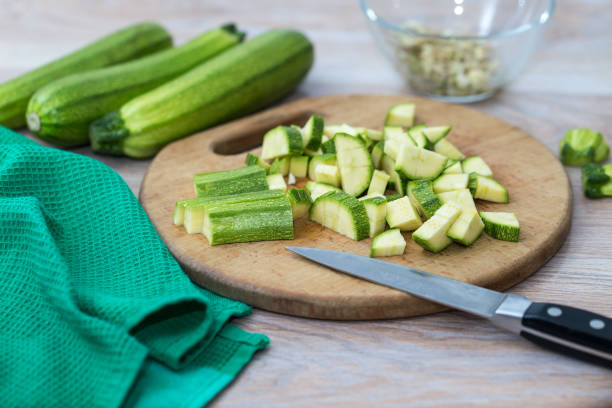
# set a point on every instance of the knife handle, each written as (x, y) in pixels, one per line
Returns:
(569, 330)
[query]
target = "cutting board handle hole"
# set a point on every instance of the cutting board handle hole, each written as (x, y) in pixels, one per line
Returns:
(250, 135)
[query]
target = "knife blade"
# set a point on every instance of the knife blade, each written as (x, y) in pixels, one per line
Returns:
(576, 332)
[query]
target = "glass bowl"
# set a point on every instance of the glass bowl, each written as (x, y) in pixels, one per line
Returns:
(458, 50)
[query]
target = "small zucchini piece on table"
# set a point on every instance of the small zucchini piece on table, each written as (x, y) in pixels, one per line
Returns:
(262, 220)
(239, 81)
(432, 234)
(401, 114)
(597, 180)
(354, 162)
(218, 183)
(281, 141)
(300, 201)
(463, 197)
(401, 214)
(450, 182)
(435, 134)
(317, 189)
(327, 173)
(298, 166)
(475, 164)
(325, 158)
(378, 184)
(501, 225)
(423, 197)
(467, 228)
(312, 133)
(127, 44)
(276, 182)
(446, 148)
(376, 208)
(388, 243)
(377, 154)
(416, 163)
(342, 213)
(453, 167)
(582, 146)
(488, 189)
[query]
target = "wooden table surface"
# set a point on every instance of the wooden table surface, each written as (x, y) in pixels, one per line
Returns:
(448, 359)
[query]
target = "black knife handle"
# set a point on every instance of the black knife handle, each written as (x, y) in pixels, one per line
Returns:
(577, 332)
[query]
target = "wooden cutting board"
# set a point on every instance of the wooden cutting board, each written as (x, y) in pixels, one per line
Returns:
(265, 275)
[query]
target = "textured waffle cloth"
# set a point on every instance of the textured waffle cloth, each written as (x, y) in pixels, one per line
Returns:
(94, 311)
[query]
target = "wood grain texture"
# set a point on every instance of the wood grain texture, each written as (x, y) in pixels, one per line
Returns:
(266, 275)
(443, 360)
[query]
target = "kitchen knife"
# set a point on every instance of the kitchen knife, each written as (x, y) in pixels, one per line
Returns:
(564, 329)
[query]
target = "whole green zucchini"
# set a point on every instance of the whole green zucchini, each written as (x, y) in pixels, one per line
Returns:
(243, 79)
(61, 111)
(124, 45)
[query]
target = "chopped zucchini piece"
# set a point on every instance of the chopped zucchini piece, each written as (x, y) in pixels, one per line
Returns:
(450, 182)
(325, 158)
(300, 201)
(435, 134)
(281, 141)
(342, 213)
(446, 148)
(402, 214)
(193, 210)
(276, 182)
(393, 197)
(378, 185)
(389, 243)
(298, 166)
(284, 164)
(597, 180)
(262, 220)
(488, 189)
(582, 146)
(312, 133)
(467, 228)
(423, 198)
(417, 136)
(416, 163)
(218, 183)
(354, 162)
(395, 137)
(376, 208)
(476, 164)
(501, 225)
(317, 189)
(432, 234)
(274, 167)
(366, 140)
(328, 146)
(329, 174)
(401, 115)
(398, 181)
(394, 132)
(453, 167)
(377, 154)
(330, 130)
(254, 160)
(373, 134)
(463, 197)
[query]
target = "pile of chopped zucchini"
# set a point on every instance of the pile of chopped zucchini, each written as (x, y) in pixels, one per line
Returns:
(406, 176)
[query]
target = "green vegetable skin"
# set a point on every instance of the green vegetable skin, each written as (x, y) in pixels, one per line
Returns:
(219, 183)
(243, 79)
(62, 111)
(582, 146)
(130, 43)
(597, 180)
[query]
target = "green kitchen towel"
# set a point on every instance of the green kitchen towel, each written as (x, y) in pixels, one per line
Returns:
(94, 311)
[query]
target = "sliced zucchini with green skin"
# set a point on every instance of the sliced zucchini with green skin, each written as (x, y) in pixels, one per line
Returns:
(416, 163)
(417, 136)
(285, 162)
(354, 162)
(376, 208)
(254, 160)
(475, 164)
(401, 115)
(394, 132)
(328, 174)
(402, 214)
(582, 146)
(446, 148)
(394, 138)
(300, 201)
(462, 197)
(325, 158)
(312, 133)
(398, 181)
(378, 184)
(393, 197)
(596, 180)
(501, 225)
(342, 213)
(453, 167)
(366, 140)
(467, 228)
(317, 189)
(276, 182)
(328, 146)
(191, 212)
(298, 165)
(423, 197)
(488, 189)
(389, 243)
(432, 234)
(373, 134)
(281, 141)
(218, 183)
(435, 134)
(450, 182)
(377, 154)
(274, 167)
(262, 220)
